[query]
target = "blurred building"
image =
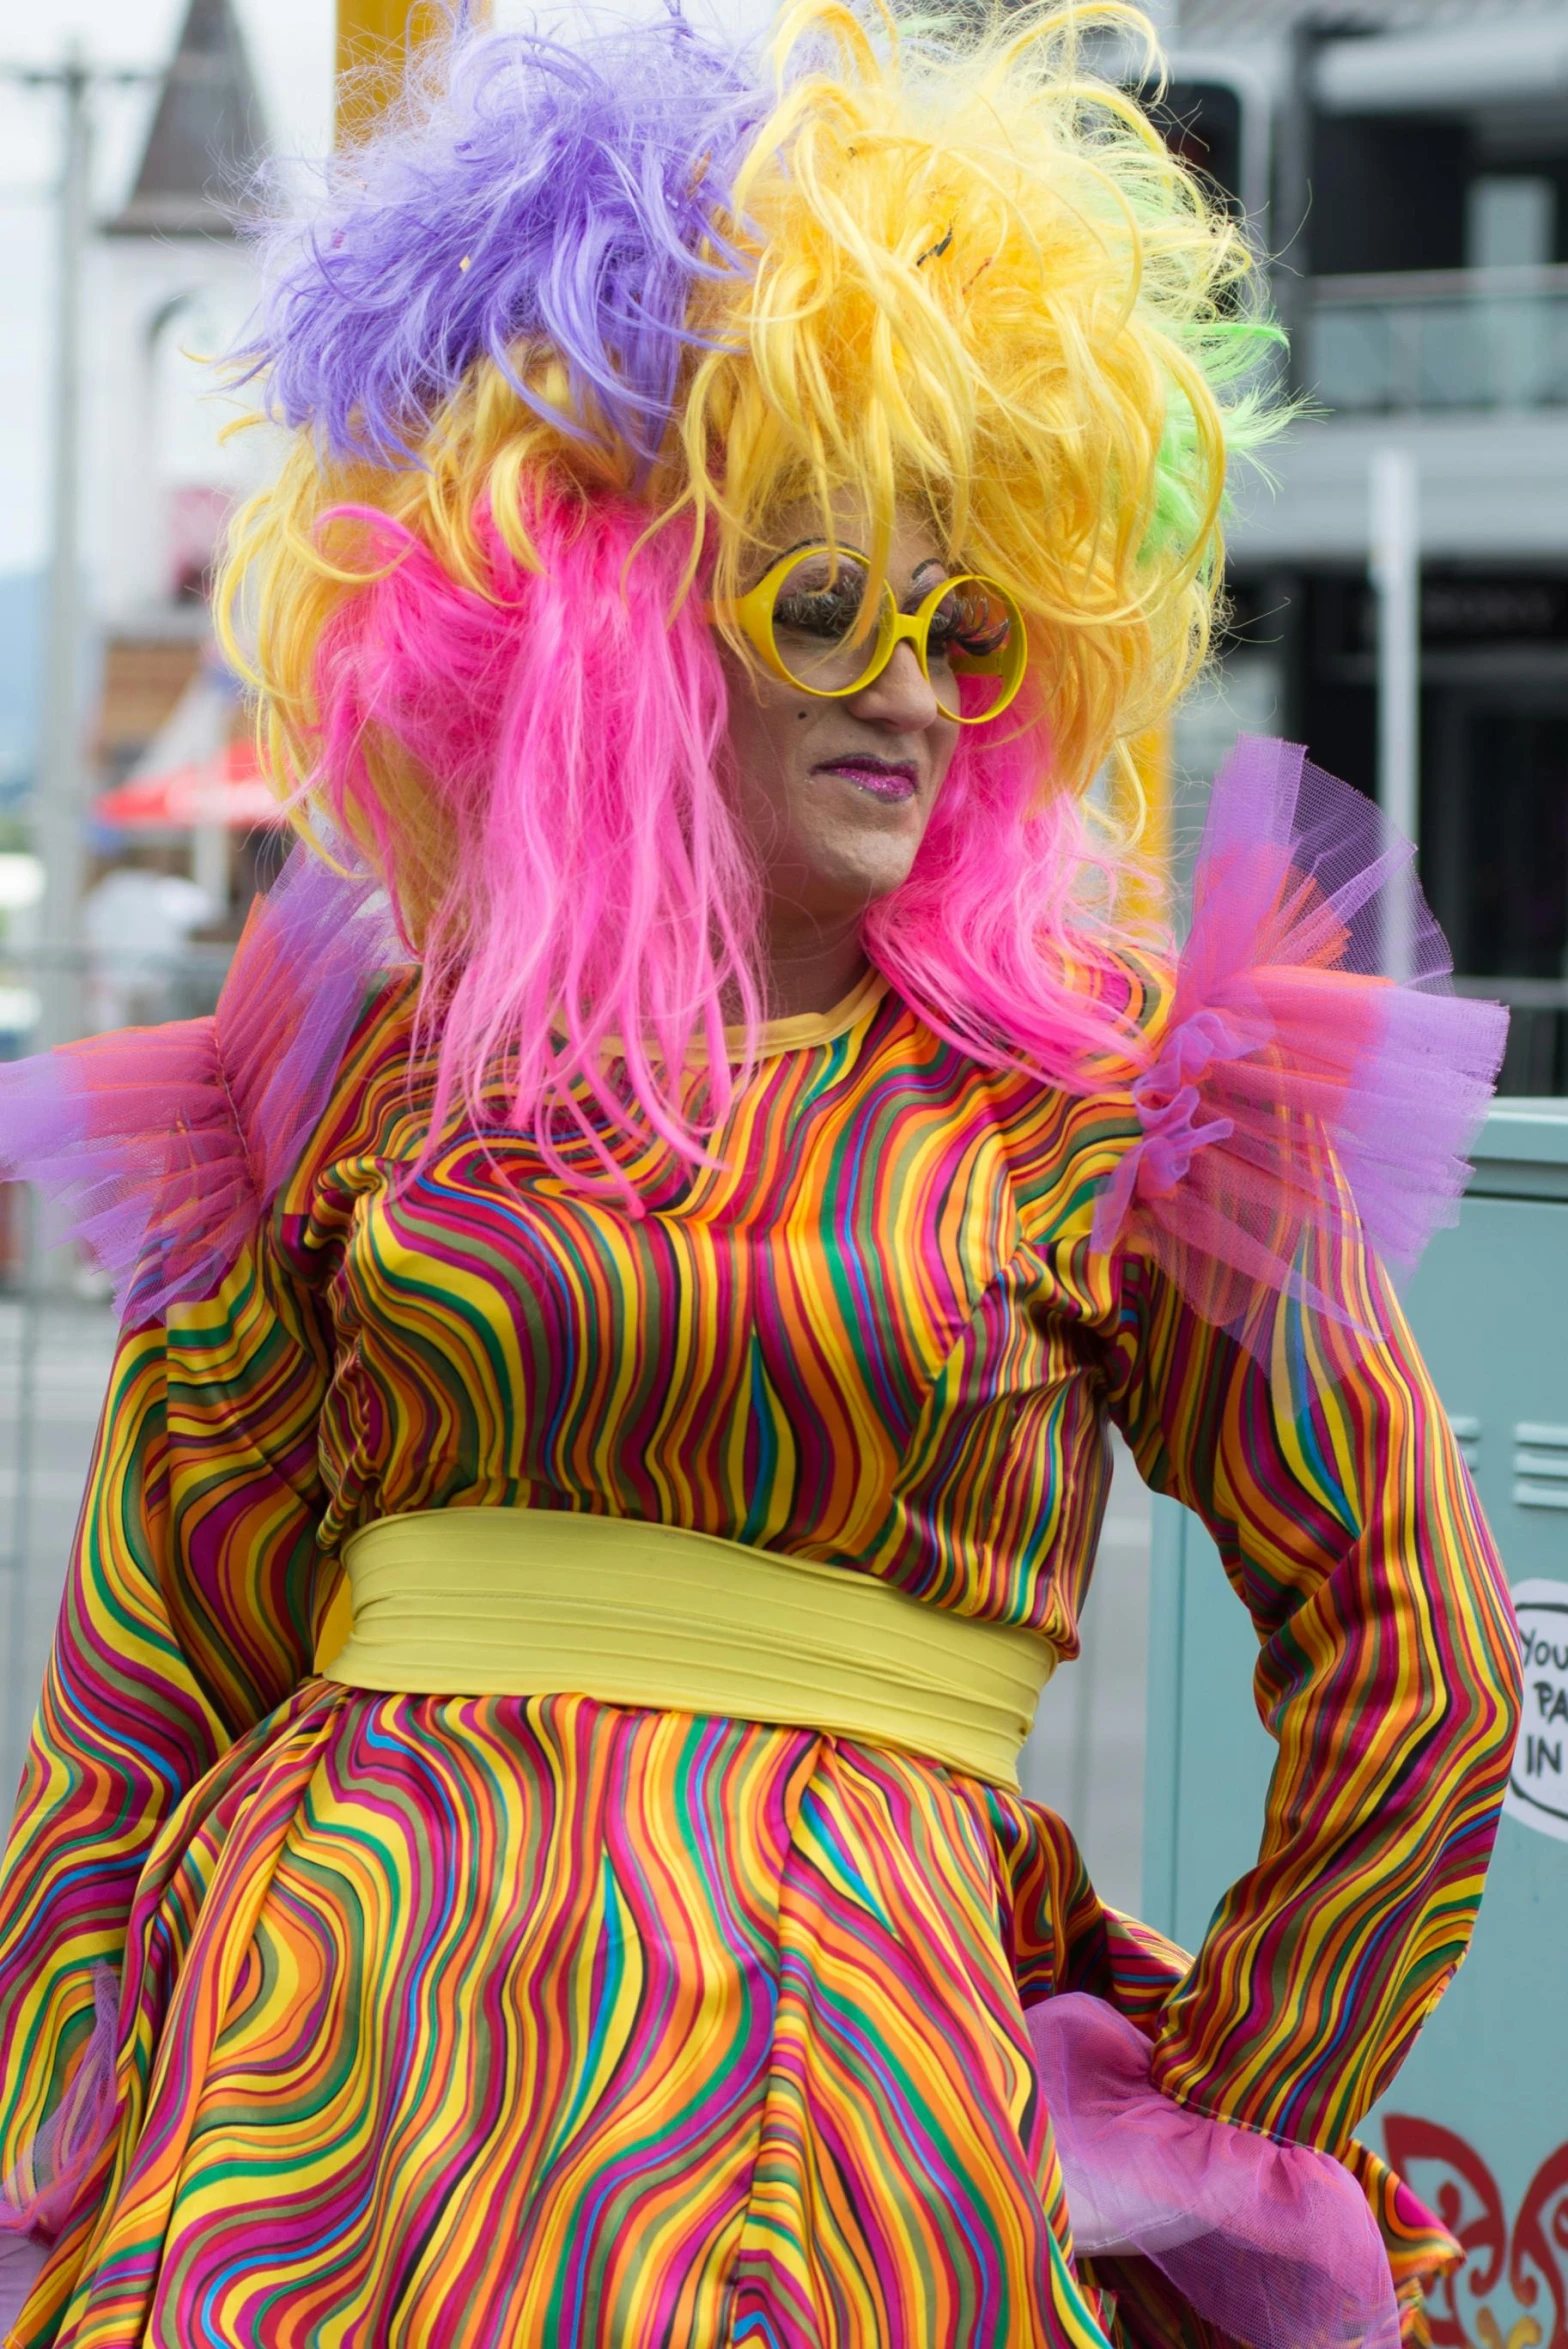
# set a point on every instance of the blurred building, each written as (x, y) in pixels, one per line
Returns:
(1407, 164)
(175, 812)
(170, 746)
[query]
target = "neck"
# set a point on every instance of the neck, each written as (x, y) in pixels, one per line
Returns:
(810, 966)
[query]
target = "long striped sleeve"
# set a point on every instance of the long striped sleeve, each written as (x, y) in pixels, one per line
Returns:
(187, 1618)
(1387, 1671)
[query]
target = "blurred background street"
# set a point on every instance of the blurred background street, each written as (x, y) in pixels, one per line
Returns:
(1399, 589)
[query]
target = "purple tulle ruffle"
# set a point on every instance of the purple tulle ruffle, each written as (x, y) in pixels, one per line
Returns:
(167, 1144)
(1293, 1086)
(37, 2197)
(1273, 2244)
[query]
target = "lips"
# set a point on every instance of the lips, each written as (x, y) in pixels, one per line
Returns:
(883, 779)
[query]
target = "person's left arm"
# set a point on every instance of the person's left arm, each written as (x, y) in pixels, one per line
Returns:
(1388, 1673)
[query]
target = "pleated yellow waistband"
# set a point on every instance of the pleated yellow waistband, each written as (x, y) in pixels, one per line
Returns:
(537, 1602)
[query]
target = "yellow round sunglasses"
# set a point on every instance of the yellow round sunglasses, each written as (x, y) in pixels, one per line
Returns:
(805, 619)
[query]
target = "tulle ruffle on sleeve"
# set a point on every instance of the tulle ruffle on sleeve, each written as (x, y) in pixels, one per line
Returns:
(1293, 1085)
(1275, 2245)
(41, 2191)
(167, 1144)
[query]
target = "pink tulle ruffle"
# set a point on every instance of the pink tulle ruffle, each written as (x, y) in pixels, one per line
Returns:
(1292, 1085)
(37, 2197)
(1274, 2244)
(168, 1143)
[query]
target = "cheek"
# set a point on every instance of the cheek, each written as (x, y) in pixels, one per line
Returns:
(945, 738)
(765, 731)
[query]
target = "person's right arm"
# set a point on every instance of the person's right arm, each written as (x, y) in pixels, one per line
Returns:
(187, 1618)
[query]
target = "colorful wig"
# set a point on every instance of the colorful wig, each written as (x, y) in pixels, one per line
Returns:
(561, 344)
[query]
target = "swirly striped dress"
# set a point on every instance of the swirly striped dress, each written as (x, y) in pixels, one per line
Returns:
(503, 2021)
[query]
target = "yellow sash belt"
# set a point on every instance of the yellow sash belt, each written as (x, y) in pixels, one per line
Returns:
(537, 1602)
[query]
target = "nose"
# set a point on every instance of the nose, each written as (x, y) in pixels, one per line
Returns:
(901, 698)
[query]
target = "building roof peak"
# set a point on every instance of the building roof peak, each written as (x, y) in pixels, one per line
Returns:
(207, 139)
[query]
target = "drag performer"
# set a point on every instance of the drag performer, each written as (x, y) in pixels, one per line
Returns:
(624, 1301)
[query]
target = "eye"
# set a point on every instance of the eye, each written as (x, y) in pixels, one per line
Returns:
(970, 623)
(833, 612)
(820, 598)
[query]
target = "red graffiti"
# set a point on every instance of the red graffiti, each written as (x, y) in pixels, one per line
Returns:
(1534, 2252)
(1541, 2243)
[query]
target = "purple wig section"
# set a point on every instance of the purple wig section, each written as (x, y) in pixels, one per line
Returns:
(550, 192)
(167, 1145)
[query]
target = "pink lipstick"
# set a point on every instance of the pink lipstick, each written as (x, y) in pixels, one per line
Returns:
(884, 779)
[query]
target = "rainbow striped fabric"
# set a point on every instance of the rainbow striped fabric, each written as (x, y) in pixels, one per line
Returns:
(502, 2021)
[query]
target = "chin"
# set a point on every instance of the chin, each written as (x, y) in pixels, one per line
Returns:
(854, 854)
(858, 882)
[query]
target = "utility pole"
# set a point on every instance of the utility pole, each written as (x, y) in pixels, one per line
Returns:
(57, 831)
(58, 792)
(1395, 568)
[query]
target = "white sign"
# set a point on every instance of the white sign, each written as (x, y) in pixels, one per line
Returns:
(1538, 1789)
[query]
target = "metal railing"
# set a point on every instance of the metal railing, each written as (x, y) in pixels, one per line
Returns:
(1438, 340)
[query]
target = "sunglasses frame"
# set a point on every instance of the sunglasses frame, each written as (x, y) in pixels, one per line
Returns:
(753, 614)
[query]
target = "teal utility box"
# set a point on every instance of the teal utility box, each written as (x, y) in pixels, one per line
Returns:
(1478, 2118)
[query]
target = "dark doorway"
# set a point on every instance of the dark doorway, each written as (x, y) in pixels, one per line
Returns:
(1494, 853)
(1511, 886)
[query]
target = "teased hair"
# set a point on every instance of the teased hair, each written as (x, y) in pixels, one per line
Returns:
(559, 346)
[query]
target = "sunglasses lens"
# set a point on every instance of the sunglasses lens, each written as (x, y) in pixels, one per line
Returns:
(822, 631)
(974, 651)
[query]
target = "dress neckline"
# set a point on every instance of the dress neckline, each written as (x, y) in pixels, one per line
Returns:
(805, 1028)
(795, 1034)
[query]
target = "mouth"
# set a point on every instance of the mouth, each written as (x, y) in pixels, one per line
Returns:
(891, 780)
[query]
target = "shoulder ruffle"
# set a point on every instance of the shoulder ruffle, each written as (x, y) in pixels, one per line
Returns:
(168, 1144)
(1292, 1086)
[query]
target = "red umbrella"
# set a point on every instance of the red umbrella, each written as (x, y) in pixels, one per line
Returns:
(226, 789)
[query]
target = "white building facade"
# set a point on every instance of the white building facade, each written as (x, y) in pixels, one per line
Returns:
(172, 285)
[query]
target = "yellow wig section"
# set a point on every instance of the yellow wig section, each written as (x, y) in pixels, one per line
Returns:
(986, 290)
